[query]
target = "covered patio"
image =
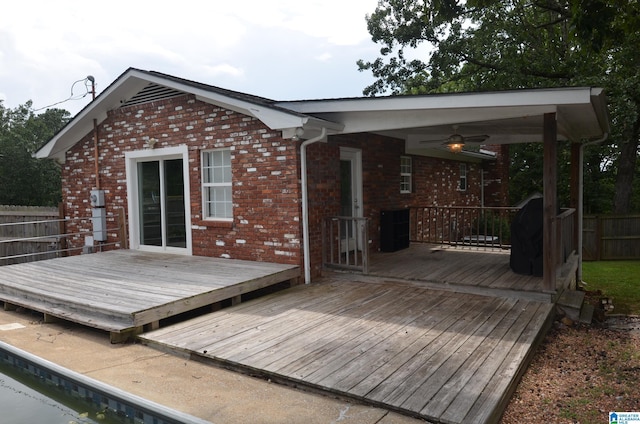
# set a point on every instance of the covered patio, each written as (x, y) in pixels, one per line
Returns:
(456, 127)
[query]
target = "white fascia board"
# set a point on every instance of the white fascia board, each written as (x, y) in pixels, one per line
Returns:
(516, 98)
(82, 123)
(133, 81)
(273, 117)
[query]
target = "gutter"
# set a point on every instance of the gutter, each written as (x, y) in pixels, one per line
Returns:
(305, 203)
(581, 199)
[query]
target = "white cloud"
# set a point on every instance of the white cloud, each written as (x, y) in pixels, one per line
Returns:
(324, 57)
(265, 48)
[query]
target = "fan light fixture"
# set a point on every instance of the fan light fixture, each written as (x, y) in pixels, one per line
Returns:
(455, 143)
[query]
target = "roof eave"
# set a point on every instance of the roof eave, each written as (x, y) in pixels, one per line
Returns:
(134, 80)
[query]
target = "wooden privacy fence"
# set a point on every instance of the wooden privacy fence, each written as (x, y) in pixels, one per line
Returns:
(28, 230)
(32, 233)
(611, 237)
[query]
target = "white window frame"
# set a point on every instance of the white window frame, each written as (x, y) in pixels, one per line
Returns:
(206, 185)
(463, 183)
(406, 170)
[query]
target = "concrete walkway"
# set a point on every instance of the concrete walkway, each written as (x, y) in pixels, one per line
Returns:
(204, 391)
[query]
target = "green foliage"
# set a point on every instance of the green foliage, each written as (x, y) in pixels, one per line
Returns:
(493, 223)
(25, 180)
(435, 46)
(619, 280)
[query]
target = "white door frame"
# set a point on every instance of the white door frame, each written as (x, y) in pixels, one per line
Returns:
(131, 161)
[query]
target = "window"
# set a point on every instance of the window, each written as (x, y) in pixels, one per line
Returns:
(405, 174)
(462, 185)
(216, 185)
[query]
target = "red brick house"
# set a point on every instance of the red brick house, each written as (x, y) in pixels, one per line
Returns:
(205, 171)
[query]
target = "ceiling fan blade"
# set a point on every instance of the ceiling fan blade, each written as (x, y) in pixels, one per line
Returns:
(476, 138)
(433, 141)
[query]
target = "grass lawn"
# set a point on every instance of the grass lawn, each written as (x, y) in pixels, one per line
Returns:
(619, 280)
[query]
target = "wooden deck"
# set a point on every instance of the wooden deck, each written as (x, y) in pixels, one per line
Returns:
(443, 356)
(462, 269)
(123, 290)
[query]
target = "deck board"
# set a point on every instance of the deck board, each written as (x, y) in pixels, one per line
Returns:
(124, 289)
(467, 270)
(440, 355)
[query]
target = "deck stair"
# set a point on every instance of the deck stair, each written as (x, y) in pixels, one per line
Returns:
(571, 304)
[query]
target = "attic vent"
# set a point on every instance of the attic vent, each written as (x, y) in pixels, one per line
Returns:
(150, 93)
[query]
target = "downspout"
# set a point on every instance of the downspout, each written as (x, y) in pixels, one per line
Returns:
(581, 199)
(305, 203)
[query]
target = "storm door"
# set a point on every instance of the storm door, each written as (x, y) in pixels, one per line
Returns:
(350, 196)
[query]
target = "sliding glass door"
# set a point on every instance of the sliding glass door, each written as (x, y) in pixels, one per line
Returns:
(158, 202)
(161, 203)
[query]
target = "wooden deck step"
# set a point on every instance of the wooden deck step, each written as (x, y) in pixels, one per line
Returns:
(570, 303)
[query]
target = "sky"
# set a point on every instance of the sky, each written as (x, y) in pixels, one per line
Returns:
(278, 49)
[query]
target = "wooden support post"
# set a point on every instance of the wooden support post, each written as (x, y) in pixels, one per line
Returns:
(9, 306)
(122, 228)
(51, 319)
(62, 231)
(236, 300)
(550, 208)
(123, 336)
(154, 325)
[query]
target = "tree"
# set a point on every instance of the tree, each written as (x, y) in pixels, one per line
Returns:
(25, 180)
(490, 45)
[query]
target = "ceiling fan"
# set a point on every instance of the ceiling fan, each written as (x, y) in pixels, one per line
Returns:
(455, 142)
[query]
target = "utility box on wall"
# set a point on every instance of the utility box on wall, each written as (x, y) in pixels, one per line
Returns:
(99, 220)
(98, 215)
(97, 199)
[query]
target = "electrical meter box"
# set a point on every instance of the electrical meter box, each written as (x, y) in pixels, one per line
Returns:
(99, 220)
(97, 198)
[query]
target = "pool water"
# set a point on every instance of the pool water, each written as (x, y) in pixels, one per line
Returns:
(33, 391)
(24, 401)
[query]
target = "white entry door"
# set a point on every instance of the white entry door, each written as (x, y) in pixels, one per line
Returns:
(350, 195)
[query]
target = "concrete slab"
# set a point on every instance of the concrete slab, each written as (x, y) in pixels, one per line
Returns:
(207, 392)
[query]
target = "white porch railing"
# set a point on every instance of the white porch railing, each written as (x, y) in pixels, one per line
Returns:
(345, 243)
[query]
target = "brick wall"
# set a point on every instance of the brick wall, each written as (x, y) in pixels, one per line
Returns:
(267, 222)
(266, 181)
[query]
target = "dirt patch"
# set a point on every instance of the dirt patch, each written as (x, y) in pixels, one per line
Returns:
(580, 374)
